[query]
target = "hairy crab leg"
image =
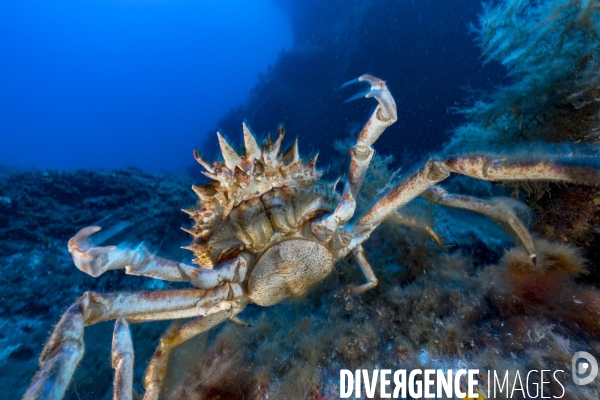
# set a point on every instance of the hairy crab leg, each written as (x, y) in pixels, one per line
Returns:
(177, 334)
(496, 209)
(122, 359)
(384, 115)
(65, 348)
(365, 267)
(414, 223)
(481, 167)
(59, 360)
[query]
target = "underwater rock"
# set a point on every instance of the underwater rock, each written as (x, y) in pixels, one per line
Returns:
(39, 280)
(49, 205)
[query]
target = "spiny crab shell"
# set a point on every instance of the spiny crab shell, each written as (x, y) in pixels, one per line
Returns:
(255, 200)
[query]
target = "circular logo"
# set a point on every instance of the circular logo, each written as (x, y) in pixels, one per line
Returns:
(584, 372)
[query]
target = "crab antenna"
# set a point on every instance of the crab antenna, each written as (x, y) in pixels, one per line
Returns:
(250, 145)
(203, 162)
(229, 155)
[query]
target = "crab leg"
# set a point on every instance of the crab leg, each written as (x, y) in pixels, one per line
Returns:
(415, 223)
(233, 271)
(59, 361)
(122, 361)
(64, 349)
(498, 211)
(140, 261)
(173, 337)
(325, 228)
(384, 115)
(365, 267)
(95, 260)
(480, 167)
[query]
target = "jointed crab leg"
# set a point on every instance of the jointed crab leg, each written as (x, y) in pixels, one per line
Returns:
(324, 228)
(499, 212)
(140, 261)
(122, 361)
(95, 261)
(175, 335)
(59, 358)
(359, 255)
(415, 223)
(383, 116)
(480, 167)
(360, 156)
(233, 271)
(64, 349)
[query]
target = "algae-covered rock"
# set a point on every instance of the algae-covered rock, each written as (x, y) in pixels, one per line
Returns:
(39, 280)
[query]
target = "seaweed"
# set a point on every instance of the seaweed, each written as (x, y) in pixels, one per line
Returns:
(550, 50)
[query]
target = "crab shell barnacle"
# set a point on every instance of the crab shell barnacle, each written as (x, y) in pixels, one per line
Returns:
(256, 202)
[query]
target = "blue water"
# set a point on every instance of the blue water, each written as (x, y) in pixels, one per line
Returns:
(88, 84)
(111, 84)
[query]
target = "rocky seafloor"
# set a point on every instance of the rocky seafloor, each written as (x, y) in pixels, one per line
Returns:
(39, 212)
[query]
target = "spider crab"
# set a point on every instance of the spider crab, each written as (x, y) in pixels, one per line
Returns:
(266, 229)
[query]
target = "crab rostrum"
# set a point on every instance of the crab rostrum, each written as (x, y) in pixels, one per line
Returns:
(267, 228)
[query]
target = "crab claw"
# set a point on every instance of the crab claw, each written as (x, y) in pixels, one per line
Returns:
(379, 91)
(350, 82)
(358, 96)
(375, 82)
(88, 258)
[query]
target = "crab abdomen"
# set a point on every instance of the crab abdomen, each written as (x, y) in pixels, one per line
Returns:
(288, 269)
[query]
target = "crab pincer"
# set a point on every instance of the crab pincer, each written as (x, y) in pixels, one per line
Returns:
(89, 258)
(379, 91)
(384, 115)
